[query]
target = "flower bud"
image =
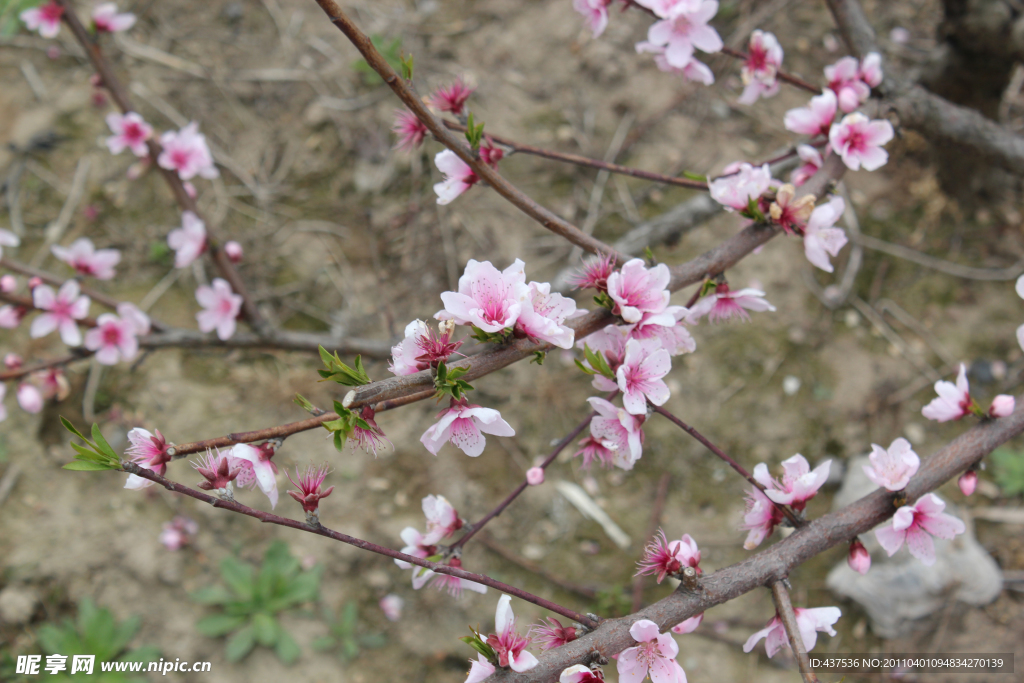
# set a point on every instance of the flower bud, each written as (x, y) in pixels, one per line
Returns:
(34, 282)
(29, 398)
(12, 361)
(234, 251)
(1002, 406)
(391, 605)
(8, 284)
(859, 558)
(535, 476)
(967, 482)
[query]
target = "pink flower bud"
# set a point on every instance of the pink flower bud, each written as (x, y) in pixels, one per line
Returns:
(535, 476)
(12, 361)
(190, 189)
(53, 52)
(234, 251)
(967, 482)
(34, 282)
(8, 284)
(29, 398)
(391, 605)
(1002, 406)
(91, 211)
(859, 558)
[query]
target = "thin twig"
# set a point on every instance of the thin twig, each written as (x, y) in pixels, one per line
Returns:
(269, 518)
(652, 528)
(784, 608)
(494, 546)
(795, 520)
(781, 75)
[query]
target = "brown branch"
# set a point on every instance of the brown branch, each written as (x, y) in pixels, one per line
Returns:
(321, 530)
(120, 96)
(784, 608)
(781, 75)
(585, 161)
(775, 562)
(472, 529)
(396, 391)
(938, 119)
(456, 144)
(790, 515)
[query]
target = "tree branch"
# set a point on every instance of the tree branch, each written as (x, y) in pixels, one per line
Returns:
(784, 608)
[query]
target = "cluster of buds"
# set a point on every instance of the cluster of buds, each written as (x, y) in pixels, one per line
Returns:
(309, 493)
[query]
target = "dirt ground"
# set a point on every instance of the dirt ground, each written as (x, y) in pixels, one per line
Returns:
(342, 233)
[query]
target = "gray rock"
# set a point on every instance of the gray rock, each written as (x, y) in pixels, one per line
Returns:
(17, 605)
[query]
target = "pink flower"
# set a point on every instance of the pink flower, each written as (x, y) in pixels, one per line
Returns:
(1002, 406)
(654, 656)
(667, 328)
(542, 314)
(391, 605)
(764, 57)
(953, 402)
(811, 163)
(916, 525)
(257, 469)
(12, 361)
(577, 673)
(445, 582)
(643, 366)
(859, 558)
(725, 304)
(1019, 287)
(106, 18)
(791, 214)
(29, 398)
(131, 313)
(188, 241)
(53, 383)
(610, 342)
(637, 290)
(87, 260)
(309, 483)
(442, 519)
(535, 476)
(186, 152)
(799, 483)
(844, 79)
(859, 141)
(178, 532)
(618, 431)
(465, 424)
(688, 625)
(62, 310)
(8, 283)
(417, 546)
(422, 347)
(744, 183)
(8, 239)
(760, 518)
(452, 98)
(131, 131)
(487, 298)
(113, 340)
(594, 274)
(10, 316)
(595, 13)
(552, 634)
(221, 307)
(685, 30)
(808, 621)
(894, 467)
(217, 470)
(147, 451)
(45, 18)
(667, 9)
(458, 176)
(693, 71)
(479, 670)
(821, 239)
(814, 119)
(594, 450)
(508, 645)
(668, 559)
(871, 69)
(967, 482)
(368, 439)
(233, 250)
(409, 129)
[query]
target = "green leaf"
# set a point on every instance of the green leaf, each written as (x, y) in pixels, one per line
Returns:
(538, 357)
(102, 444)
(349, 648)
(265, 629)
(217, 625)
(301, 401)
(146, 653)
(649, 256)
(475, 642)
(583, 367)
(287, 649)
(85, 466)
(695, 176)
(240, 644)
(339, 372)
(324, 643)
(212, 595)
(71, 428)
(239, 577)
(407, 67)
(349, 615)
